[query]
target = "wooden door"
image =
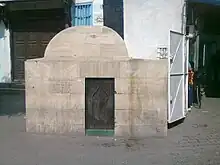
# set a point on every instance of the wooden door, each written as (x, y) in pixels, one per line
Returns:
(99, 103)
(31, 32)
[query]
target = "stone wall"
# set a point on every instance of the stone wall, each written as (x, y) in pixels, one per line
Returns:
(55, 85)
(149, 97)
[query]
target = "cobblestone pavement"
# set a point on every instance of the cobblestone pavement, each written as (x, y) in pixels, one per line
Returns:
(194, 142)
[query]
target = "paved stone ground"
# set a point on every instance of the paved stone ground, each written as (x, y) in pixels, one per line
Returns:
(194, 142)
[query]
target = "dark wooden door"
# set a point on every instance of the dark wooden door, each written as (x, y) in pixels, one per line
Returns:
(99, 103)
(31, 32)
(19, 53)
(28, 45)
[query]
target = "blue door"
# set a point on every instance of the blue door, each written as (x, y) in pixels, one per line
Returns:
(82, 14)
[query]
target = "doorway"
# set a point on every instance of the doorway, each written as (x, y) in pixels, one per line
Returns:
(206, 55)
(99, 106)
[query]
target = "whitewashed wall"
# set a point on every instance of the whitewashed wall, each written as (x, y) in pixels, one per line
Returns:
(98, 12)
(5, 58)
(147, 24)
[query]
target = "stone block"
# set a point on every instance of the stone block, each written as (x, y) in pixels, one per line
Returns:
(46, 121)
(162, 116)
(109, 69)
(125, 69)
(32, 101)
(122, 117)
(122, 131)
(92, 50)
(56, 129)
(157, 68)
(147, 102)
(73, 116)
(138, 68)
(161, 130)
(148, 68)
(68, 70)
(122, 85)
(122, 102)
(99, 69)
(91, 69)
(33, 86)
(63, 101)
(94, 39)
(149, 93)
(97, 58)
(145, 117)
(76, 86)
(59, 70)
(32, 70)
(108, 50)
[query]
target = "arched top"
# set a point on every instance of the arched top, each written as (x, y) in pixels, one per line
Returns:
(86, 42)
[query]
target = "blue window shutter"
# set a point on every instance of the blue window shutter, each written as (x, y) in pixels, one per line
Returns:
(82, 14)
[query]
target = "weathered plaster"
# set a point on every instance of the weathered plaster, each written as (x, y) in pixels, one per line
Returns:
(98, 12)
(147, 24)
(5, 58)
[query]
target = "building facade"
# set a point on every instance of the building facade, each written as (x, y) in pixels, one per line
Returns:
(140, 23)
(26, 29)
(5, 62)
(144, 25)
(99, 12)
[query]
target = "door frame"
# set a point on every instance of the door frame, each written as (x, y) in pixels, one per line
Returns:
(100, 132)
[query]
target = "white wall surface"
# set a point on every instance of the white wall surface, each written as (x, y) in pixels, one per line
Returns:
(147, 24)
(98, 12)
(5, 58)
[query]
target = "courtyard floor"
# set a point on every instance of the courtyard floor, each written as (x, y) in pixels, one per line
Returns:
(194, 142)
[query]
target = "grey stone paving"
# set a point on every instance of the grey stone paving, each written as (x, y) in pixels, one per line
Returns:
(194, 142)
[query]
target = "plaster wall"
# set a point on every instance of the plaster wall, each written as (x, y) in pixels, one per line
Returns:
(5, 56)
(147, 24)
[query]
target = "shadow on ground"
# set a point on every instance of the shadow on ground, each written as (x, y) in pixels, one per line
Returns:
(175, 124)
(12, 102)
